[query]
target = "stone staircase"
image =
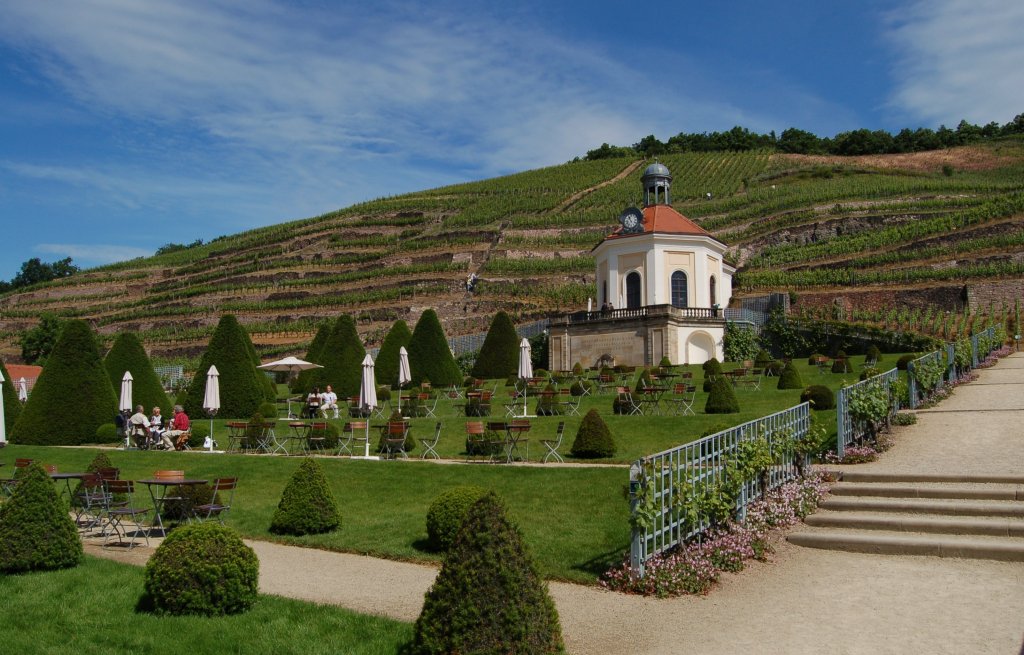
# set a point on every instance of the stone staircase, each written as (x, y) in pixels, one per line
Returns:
(968, 516)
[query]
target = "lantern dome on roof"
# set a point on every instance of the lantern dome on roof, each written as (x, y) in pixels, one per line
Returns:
(657, 168)
(657, 183)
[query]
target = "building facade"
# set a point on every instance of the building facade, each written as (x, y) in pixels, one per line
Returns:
(661, 281)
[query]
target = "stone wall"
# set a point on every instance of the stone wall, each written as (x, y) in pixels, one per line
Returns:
(951, 298)
(981, 296)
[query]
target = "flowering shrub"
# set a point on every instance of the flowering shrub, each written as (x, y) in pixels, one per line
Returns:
(693, 568)
(853, 455)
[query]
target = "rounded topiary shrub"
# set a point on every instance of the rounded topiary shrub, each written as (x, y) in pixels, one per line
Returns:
(200, 430)
(106, 433)
(665, 362)
(488, 596)
(100, 461)
(547, 402)
(712, 370)
(36, 532)
(202, 569)
(815, 359)
(820, 397)
(643, 381)
(762, 359)
(307, 505)
(383, 394)
(722, 398)
(580, 387)
(790, 378)
(841, 363)
(577, 369)
(447, 512)
(593, 439)
(873, 354)
(268, 411)
(902, 362)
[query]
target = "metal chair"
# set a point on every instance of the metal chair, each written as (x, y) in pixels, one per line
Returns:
(426, 406)
(476, 440)
(117, 516)
(353, 432)
(90, 502)
(554, 444)
(628, 404)
(394, 439)
(683, 398)
(430, 444)
(570, 403)
(220, 502)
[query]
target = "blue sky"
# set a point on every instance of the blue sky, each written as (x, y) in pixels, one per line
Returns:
(128, 124)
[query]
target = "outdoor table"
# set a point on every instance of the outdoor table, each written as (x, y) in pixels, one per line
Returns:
(67, 478)
(269, 443)
(160, 492)
(236, 434)
(301, 432)
(515, 431)
(652, 398)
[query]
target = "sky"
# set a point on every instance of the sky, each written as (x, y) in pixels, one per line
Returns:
(129, 124)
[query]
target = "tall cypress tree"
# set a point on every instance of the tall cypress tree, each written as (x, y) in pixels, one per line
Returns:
(12, 406)
(342, 358)
(499, 356)
(429, 355)
(72, 396)
(306, 380)
(241, 389)
(386, 366)
(127, 354)
(266, 381)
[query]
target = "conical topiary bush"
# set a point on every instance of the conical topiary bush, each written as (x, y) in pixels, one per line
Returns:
(790, 378)
(306, 380)
(241, 389)
(488, 596)
(722, 398)
(72, 397)
(12, 406)
(593, 438)
(36, 532)
(100, 461)
(307, 505)
(385, 367)
(712, 369)
(841, 363)
(127, 354)
(429, 355)
(499, 356)
(447, 512)
(342, 358)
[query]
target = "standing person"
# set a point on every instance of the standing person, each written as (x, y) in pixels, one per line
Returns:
(329, 400)
(179, 426)
(138, 427)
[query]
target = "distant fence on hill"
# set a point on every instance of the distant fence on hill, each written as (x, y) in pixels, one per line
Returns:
(468, 343)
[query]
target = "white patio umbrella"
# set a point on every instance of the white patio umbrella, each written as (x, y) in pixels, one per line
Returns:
(404, 373)
(23, 390)
(368, 395)
(291, 365)
(211, 400)
(124, 405)
(525, 367)
(3, 423)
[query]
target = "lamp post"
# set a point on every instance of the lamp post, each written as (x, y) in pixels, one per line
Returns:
(1016, 342)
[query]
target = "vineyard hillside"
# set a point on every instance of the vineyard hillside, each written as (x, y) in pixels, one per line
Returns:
(941, 228)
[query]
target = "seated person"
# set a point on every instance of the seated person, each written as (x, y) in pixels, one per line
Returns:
(179, 427)
(313, 403)
(329, 400)
(156, 425)
(121, 425)
(138, 427)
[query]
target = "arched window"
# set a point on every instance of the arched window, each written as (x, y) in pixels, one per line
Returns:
(713, 296)
(679, 289)
(633, 291)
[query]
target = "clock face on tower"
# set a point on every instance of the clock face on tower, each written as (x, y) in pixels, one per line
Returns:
(632, 220)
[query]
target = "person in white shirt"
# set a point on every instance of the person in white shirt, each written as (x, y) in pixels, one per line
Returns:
(156, 425)
(329, 400)
(138, 427)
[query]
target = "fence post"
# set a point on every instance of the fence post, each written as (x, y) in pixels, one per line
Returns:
(911, 385)
(974, 351)
(950, 363)
(636, 559)
(841, 418)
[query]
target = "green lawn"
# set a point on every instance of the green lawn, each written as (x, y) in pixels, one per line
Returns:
(91, 609)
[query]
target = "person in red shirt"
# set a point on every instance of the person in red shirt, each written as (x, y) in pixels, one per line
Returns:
(179, 426)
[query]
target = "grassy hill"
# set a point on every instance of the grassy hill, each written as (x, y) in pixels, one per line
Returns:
(938, 227)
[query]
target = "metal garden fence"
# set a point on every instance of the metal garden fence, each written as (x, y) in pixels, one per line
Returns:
(658, 482)
(849, 430)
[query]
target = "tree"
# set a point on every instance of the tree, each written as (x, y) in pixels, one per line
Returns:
(386, 366)
(36, 532)
(306, 380)
(127, 354)
(799, 141)
(12, 406)
(429, 355)
(488, 596)
(241, 390)
(342, 358)
(72, 396)
(307, 504)
(34, 271)
(37, 343)
(499, 356)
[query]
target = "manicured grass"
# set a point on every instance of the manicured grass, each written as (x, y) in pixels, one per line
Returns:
(91, 609)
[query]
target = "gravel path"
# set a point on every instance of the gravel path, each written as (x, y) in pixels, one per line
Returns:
(806, 601)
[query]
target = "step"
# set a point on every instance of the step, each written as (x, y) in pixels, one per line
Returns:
(896, 490)
(997, 527)
(870, 476)
(892, 543)
(911, 505)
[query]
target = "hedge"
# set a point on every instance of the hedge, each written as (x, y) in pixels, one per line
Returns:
(429, 355)
(499, 356)
(127, 354)
(241, 389)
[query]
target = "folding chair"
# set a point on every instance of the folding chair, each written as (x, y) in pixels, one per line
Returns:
(394, 439)
(426, 406)
(118, 516)
(683, 397)
(181, 443)
(570, 403)
(430, 444)
(627, 404)
(755, 380)
(353, 433)
(220, 502)
(554, 444)
(476, 440)
(90, 502)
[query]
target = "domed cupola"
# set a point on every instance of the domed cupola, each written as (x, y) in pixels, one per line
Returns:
(657, 183)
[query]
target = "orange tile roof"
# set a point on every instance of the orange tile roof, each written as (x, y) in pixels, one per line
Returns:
(663, 219)
(18, 371)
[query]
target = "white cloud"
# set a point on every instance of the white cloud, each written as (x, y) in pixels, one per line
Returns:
(92, 254)
(959, 59)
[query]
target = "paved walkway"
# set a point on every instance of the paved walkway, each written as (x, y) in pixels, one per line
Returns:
(807, 601)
